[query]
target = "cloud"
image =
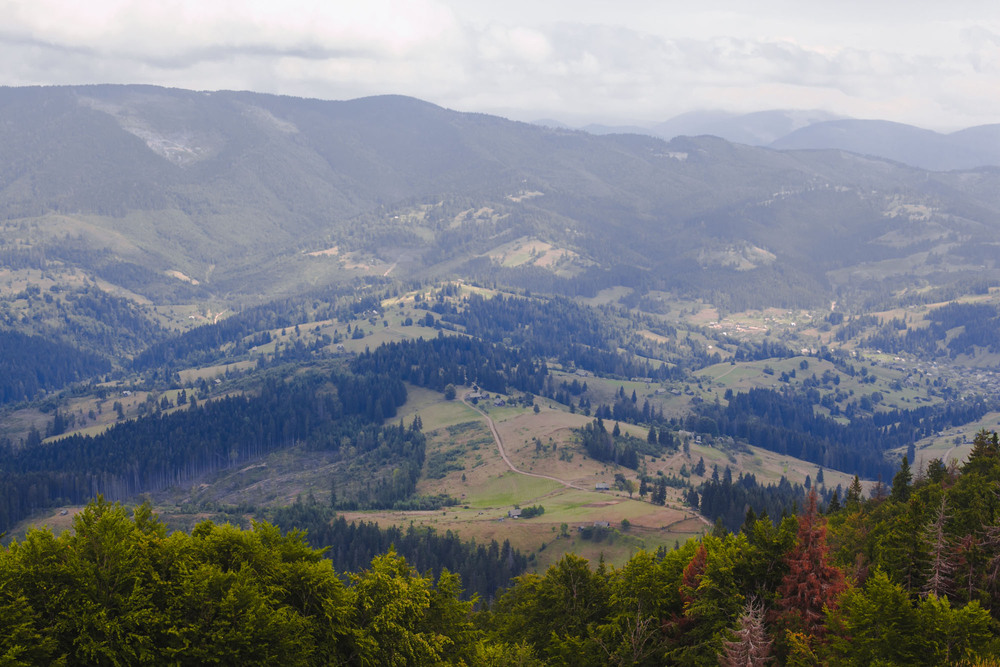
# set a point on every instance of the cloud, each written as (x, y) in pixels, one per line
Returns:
(582, 61)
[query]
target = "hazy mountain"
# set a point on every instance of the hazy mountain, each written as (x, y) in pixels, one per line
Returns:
(151, 188)
(966, 149)
(759, 128)
(615, 129)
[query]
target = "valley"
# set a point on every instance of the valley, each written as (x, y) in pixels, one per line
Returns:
(766, 321)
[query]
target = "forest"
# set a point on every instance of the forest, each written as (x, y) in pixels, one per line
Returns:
(907, 576)
(786, 423)
(151, 453)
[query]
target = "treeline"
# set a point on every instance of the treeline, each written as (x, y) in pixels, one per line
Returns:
(29, 364)
(155, 452)
(615, 447)
(86, 318)
(979, 323)
(905, 577)
(556, 328)
(455, 360)
(540, 328)
(118, 590)
(485, 569)
(786, 423)
(384, 469)
(201, 345)
(733, 502)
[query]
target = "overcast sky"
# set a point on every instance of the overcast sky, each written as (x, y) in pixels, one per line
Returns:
(935, 64)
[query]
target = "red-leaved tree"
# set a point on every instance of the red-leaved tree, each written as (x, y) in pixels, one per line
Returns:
(812, 583)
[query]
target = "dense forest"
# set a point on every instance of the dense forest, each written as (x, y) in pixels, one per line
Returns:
(485, 568)
(786, 423)
(454, 360)
(30, 364)
(953, 329)
(156, 451)
(905, 577)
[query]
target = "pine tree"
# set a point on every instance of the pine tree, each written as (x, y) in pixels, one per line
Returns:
(942, 567)
(812, 583)
(854, 498)
(751, 646)
(834, 505)
(901, 483)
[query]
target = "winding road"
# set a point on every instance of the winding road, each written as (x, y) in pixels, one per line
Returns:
(570, 485)
(506, 459)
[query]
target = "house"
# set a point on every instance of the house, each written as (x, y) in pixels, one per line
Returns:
(602, 486)
(514, 514)
(499, 403)
(602, 524)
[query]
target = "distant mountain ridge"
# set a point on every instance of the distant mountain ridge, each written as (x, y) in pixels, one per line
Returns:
(819, 130)
(175, 194)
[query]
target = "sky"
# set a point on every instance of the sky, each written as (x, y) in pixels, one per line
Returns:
(928, 63)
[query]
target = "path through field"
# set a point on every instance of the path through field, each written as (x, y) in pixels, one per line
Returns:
(506, 459)
(569, 485)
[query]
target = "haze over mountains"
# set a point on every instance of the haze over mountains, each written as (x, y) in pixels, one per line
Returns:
(788, 129)
(175, 194)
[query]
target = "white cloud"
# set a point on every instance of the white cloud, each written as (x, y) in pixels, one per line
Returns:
(930, 63)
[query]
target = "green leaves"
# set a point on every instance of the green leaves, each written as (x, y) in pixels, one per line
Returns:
(118, 590)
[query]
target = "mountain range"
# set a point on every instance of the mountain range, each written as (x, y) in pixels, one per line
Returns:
(175, 195)
(789, 129)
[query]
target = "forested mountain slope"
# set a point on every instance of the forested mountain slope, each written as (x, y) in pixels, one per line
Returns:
(228, 189)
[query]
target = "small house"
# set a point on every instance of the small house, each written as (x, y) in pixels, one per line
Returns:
(514, 514)
(602, 486)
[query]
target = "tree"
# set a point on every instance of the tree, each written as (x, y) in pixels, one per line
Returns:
(878, 624)
(854, 498)
(392, 601)
(751, 646)
(660, 492)
(812, 583)
(901, 483)
(941, 567)
(449, 392)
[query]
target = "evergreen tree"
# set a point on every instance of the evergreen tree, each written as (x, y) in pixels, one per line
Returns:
(812, 583)
(901, 483)
(854, 497)
(942, 566)
(751, 646)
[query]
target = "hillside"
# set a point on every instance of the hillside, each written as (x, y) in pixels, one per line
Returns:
(181, 196)
(965, 149)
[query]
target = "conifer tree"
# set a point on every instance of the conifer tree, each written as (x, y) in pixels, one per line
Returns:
(854, 498)
(942, 567)
(751, 646)
(901, 482)
(811, 583)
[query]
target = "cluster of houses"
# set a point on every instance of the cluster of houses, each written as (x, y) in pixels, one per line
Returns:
(477, 395)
